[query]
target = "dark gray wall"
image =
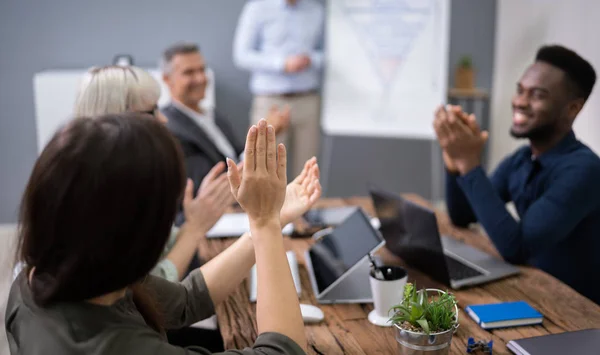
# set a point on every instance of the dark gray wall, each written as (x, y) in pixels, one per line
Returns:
(39, 34)
(472, 32)
(401, 165)
(473, 28)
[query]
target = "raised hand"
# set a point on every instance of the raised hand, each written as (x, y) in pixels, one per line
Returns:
(261, 189)
(302, 193)
(211, 201)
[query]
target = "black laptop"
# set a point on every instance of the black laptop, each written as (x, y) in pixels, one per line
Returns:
(411, 232)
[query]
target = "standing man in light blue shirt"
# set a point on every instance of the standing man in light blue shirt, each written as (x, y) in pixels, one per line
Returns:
(280, 43)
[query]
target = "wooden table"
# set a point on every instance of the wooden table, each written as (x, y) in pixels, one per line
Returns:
(346, 329)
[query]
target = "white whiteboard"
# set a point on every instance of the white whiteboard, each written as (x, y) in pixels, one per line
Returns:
(55, 92)
(386, 66)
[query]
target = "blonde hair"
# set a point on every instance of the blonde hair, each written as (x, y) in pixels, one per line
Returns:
(114, 90)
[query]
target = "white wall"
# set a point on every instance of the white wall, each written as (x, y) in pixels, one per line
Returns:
(522, 26)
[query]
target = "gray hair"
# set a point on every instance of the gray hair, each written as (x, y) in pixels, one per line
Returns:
(173, 50)
(114, 90)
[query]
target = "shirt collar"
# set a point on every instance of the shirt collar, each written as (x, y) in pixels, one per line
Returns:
(284, 4)
(193, 114)
(564, 145)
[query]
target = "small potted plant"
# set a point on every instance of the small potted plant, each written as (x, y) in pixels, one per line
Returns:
(464, 77)
(425, 321)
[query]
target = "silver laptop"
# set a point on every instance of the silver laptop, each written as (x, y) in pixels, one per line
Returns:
(411, 232)
(338, 263)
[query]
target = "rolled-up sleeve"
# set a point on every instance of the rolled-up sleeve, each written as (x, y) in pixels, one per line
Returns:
(183, 303)
(270, 344)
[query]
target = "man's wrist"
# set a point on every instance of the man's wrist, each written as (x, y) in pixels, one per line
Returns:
(452, 170)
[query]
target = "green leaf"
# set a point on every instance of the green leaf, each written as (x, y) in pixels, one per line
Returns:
(422, 299)
(404, 313)
(401, 309)
(424, 325)
(416, 311)
(465, 61)
(414, 295)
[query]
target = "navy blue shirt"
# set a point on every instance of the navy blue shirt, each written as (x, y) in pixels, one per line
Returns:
(557, 197)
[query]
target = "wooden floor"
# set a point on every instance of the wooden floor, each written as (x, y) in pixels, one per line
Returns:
(346, 329)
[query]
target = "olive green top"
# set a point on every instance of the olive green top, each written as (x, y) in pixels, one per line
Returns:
(85, 328)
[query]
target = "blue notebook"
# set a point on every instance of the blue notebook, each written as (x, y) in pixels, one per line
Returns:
(502, 315)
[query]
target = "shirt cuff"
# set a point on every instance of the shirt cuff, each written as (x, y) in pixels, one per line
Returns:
(452, 173)
(471, 178)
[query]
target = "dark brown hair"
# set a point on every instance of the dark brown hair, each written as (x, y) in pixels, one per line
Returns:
(98, 208)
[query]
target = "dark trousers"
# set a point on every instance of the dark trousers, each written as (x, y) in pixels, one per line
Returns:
(189, 336)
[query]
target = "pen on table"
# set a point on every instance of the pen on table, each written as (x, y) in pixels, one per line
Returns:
(376, 271)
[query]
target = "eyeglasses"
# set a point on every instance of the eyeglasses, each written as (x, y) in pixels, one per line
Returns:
(151, 112)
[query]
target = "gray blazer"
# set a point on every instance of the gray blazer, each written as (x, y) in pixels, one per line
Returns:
(85, 328)
(199, 151)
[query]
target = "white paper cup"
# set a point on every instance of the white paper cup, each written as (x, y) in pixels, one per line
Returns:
(386, 293)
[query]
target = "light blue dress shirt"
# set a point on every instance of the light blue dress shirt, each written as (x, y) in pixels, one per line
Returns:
(271, 30)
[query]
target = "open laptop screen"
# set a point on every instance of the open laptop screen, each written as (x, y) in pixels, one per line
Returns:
(410, 231)
(335, 253)
(329, 217)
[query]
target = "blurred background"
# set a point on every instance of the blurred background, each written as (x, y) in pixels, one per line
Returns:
(492, 41)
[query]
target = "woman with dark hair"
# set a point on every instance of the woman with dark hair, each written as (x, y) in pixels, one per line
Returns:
(95, 217)
(117, 89)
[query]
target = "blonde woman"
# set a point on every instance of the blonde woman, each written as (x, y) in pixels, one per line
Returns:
(117, 89)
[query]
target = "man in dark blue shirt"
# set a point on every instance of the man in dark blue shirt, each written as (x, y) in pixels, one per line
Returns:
(554, 182)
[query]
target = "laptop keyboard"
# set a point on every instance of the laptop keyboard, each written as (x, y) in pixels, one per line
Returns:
(460, 271)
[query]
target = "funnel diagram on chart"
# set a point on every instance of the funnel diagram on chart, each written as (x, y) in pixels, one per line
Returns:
(387, 29)
(386, 66)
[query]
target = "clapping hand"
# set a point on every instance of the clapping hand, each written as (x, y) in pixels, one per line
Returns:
(211, 201)
(302, 193)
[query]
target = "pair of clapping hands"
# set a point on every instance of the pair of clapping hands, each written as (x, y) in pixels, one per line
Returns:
(460, 138)
(218, 191)
(261, 190)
